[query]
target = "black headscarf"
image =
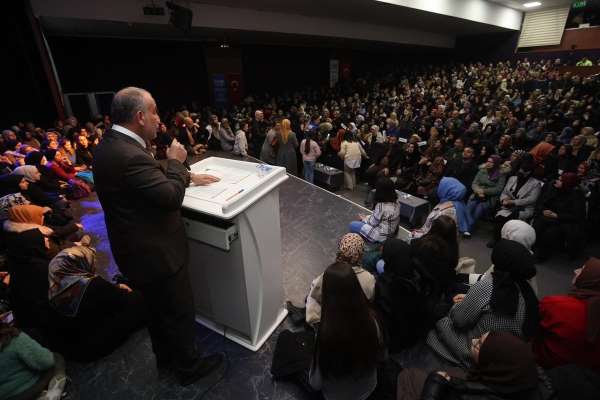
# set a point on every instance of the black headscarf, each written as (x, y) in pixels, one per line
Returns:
(34, 158)
(513, 266)
(10, 184)
(506, 363)
(396, 255)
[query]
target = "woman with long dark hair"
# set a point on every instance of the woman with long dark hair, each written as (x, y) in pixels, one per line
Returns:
(310, 152)
(349, 340)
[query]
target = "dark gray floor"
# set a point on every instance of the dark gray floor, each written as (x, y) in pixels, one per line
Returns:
(312, 220)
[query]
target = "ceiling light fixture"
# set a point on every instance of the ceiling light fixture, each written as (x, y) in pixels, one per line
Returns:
(532, 4)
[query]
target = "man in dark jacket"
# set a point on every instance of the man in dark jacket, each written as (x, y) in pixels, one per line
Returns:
(464, 168)
(141, 200)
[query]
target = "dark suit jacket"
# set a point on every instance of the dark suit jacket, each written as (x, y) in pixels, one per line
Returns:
(141, 200)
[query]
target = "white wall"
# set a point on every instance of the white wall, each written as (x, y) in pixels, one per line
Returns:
(473, 10)
(242, 19)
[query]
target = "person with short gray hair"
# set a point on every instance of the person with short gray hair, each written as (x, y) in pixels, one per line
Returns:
(141, 200)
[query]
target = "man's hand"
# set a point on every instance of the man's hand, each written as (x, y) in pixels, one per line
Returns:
(176, 151)
(203, 179)
(507, 202)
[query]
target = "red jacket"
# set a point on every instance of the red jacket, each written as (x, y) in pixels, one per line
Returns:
(62, 172)
(562, 339)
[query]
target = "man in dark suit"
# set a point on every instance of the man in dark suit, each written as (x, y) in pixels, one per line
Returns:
(141, 200)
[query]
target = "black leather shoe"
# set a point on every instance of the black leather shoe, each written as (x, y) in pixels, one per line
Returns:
(205, 366)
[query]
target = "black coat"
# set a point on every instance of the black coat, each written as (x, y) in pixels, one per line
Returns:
(568, 205)
(141, 200)
(438, 388)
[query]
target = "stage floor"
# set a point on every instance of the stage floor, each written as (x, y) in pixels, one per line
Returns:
(312, 221)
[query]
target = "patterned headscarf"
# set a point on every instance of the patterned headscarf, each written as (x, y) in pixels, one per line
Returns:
(9, 201)
(70, 273)
(350, 249)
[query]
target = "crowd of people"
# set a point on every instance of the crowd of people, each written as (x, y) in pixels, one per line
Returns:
(514, 143)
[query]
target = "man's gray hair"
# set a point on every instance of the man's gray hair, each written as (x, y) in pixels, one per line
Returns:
(126, 103)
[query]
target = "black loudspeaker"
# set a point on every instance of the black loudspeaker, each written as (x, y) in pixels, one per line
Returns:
(181, 17)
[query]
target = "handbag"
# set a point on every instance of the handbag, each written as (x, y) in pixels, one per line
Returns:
(293, 354)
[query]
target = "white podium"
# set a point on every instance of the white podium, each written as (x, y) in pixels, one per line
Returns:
(235, 249)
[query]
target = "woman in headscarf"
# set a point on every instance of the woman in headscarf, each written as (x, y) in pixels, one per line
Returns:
(35, 191)
(66, 172)
(92, 316)
(48, 181)
(350, 251)
(487, 186)
(503, 368)
(22, 218)
(502, 301)
(450, 190)
(401, 293)
(518, 197)
(559, 215)
(566, 135)
(570, 324)
(28, 255)
(10, 200)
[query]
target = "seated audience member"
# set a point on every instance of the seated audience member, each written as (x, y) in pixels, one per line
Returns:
(27, 367)
(520, 232)
(240, 145)
(502, 301)
(341, 369)
(350, 251)
(581, 150)
(11, 200)
(463, 168)
(66, 172)
(404, 296)
(226, 135)
(92, 316)
(22, 218)
(503, 369)
(487, 186)
(83, 152)
(427, 181)
(519, 196)
(409, 162)
(570, 324)
(383, 223)
(48, 181)
(450, 190)
(559, 214)
(66, 147)
(442, 209)
(28, 255)
(590, 139)
(594, 163)
(35, 190)
(563, 162)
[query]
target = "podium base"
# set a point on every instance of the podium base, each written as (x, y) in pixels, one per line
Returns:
(242, 339)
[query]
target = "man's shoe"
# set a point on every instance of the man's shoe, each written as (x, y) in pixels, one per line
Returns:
(205, 366)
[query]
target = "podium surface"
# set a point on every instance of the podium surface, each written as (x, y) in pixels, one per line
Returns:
(234, 236)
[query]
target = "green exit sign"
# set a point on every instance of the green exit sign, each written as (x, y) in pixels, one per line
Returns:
(579, 4)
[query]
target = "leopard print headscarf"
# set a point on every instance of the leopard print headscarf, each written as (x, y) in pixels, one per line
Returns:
(350, 249)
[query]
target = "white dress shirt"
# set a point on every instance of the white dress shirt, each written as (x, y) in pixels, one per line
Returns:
(129, 133)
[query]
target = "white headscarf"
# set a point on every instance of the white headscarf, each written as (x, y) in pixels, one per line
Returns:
(520, 232)
(29, 172)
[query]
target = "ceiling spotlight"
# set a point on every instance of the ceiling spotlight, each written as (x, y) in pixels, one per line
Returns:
(532, 4)
(224, 45)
